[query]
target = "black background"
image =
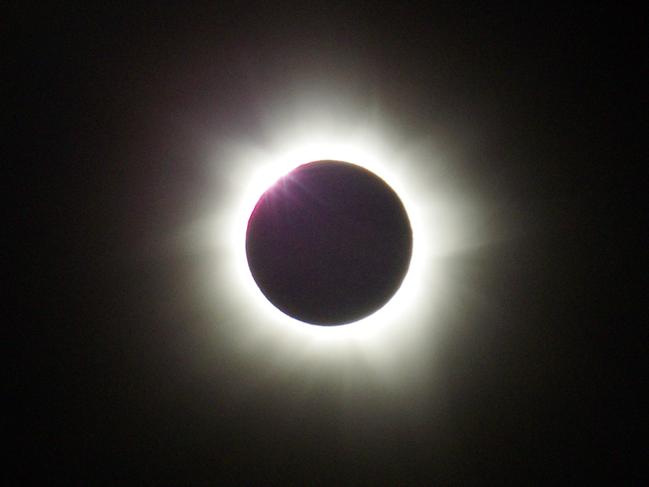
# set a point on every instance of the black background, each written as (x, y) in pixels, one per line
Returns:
(106, 105)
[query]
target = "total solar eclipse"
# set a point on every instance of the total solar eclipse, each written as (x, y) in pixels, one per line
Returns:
(329, 243)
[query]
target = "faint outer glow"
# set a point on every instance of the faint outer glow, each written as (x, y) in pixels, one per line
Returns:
(438, 216)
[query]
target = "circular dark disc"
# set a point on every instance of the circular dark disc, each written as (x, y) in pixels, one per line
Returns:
(329, 243)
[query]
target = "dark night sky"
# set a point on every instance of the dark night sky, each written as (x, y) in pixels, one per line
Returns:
(111, 367)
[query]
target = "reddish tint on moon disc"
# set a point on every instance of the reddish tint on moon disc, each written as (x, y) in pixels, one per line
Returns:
(329, 243)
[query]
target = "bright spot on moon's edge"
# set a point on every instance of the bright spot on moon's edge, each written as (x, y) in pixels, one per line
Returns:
(441, 217)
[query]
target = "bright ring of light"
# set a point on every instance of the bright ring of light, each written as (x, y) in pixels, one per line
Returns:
(279, 166)
(248, 318)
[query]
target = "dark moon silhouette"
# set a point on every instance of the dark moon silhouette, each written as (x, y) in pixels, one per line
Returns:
(329, 243)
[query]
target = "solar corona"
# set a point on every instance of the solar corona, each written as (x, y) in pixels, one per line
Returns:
(327, 241)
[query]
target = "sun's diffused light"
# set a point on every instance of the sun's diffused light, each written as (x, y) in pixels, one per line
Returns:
(265, 173)
(436, 218)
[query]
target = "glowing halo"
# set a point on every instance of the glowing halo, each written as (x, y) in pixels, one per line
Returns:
(438, 218)
(264, 176)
